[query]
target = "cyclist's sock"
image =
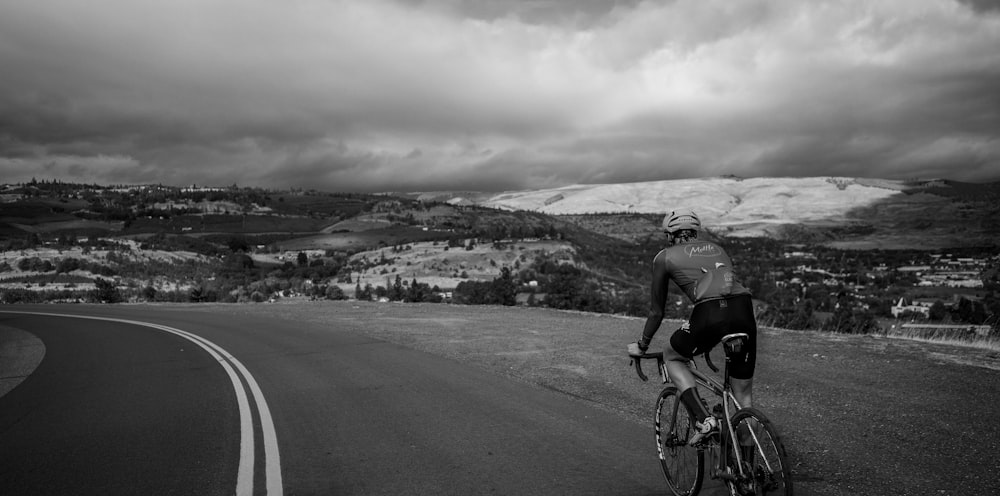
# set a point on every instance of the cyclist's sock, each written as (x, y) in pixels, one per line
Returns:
(692, 400)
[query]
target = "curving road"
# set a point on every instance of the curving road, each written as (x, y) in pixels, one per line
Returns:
(122, 407)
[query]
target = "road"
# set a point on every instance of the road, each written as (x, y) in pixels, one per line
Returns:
(118, 407)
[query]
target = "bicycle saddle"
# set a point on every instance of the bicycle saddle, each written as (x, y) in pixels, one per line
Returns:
(733, 343)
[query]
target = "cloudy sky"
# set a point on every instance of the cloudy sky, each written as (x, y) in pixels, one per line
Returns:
(378, 95)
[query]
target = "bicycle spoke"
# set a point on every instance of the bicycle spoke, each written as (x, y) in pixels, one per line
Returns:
(683, 465)
(766, 470)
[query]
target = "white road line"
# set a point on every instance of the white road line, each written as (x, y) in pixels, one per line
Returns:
(244, 476)
(271, 455)
(272, 460)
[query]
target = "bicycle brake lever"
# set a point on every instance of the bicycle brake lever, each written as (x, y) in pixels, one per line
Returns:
(638, 368)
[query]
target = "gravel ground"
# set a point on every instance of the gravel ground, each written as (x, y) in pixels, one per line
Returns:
(858, 414)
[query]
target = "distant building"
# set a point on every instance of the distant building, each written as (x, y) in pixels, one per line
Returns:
(922, 307)
(800, 254)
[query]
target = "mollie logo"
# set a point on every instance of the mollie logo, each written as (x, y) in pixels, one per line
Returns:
(705, 250)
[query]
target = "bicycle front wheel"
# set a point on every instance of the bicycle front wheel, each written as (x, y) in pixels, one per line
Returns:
(765, 464)
(683, 465)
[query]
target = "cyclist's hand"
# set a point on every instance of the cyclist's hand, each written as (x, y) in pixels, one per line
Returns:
(686, 326)
(635, 350)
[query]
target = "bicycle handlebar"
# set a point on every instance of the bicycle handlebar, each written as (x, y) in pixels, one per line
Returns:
(637, 361)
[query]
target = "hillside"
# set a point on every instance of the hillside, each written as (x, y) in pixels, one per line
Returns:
(437, 264)
(853, 213)
(83, 242)
(739, 204)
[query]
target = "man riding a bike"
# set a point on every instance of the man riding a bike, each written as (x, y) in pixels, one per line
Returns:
(704, 272)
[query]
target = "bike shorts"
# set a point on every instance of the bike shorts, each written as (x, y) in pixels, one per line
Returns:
(713, 319)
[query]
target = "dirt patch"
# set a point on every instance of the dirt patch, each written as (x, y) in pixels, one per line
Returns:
(859, 415)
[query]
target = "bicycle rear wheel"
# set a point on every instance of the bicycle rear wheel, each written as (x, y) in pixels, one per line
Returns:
(683, 466)
(767, 465)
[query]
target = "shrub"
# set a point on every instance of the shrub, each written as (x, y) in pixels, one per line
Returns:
(106, 292)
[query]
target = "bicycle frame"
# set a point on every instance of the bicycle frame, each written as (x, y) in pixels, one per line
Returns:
(730, 405)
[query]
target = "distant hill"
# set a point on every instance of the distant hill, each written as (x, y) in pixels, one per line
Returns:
(851, 213)
(837, 211)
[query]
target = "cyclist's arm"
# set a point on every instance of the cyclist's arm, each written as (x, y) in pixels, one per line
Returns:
(658, 299)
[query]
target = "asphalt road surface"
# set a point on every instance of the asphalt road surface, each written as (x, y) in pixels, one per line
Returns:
(197, 404)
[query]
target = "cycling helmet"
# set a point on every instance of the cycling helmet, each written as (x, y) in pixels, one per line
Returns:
(681, 219)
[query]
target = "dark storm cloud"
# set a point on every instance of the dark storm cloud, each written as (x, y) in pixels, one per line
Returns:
(982, 6)
(490, 94)
(576, 12)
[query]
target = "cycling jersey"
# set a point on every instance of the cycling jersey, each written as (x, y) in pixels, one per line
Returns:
(702, 270)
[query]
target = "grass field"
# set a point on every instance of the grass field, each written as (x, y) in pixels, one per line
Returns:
(214, 223)
(967, 339)
(388, 236)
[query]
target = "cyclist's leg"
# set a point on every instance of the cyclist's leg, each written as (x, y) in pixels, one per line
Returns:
(679, 373)
(743, 391)
(682, 347)
(742, 365)
(677, 368)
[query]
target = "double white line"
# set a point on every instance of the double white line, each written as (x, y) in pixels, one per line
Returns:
(236, 371)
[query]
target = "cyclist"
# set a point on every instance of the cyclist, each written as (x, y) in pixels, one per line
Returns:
(703, 271)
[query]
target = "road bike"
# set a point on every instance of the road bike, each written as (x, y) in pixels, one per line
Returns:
(746, 452)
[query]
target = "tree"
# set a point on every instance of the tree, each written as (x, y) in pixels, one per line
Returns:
(106, 291)
(364, 293)
(302, 259)
(197, 294)
(240, 261)
(333, 292)
(417, 292)
(396, 290)
(971, 312)
(238, 244)
(503, 290)
(67, 265)
(937, 311)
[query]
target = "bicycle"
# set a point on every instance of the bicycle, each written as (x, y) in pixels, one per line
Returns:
(746, 453)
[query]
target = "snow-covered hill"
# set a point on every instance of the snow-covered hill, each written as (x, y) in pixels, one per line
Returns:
(741, 206)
